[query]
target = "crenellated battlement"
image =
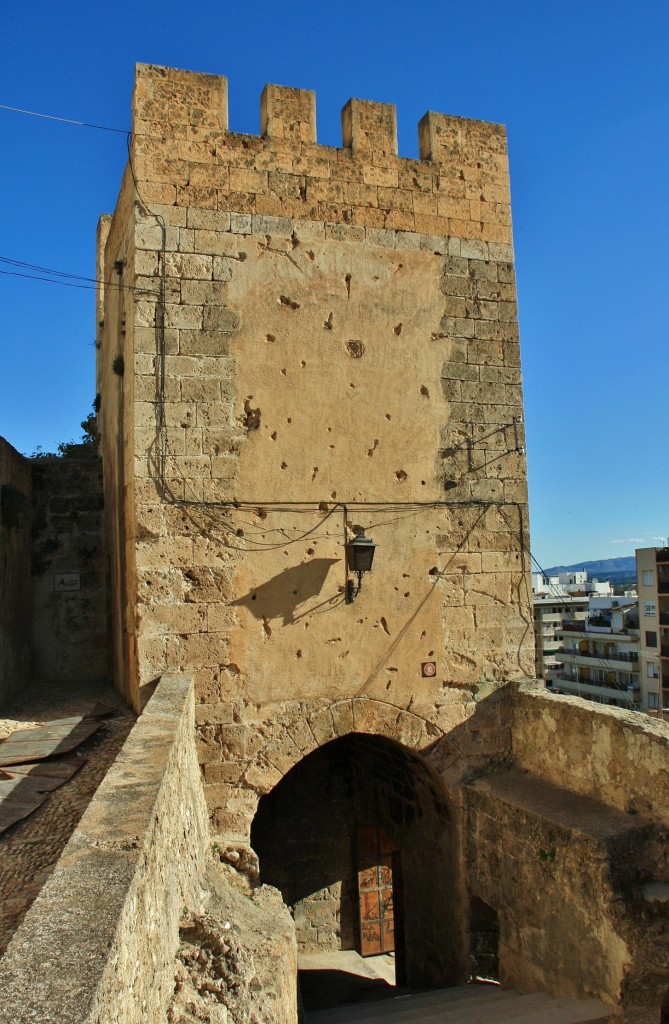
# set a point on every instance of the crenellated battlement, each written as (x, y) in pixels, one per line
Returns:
(185, 155)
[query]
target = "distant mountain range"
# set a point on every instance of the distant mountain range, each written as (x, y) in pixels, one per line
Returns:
(603, 569)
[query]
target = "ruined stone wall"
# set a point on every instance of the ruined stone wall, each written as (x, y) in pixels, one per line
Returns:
(15, 496)
(98, 943)
(319, 341)
(70, 635)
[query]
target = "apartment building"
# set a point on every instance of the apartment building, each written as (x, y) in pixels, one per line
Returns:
(556, 600)
(550, 612)
(600, 657)
(653, 584)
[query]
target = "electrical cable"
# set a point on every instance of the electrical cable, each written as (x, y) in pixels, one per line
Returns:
(64, 120)
(72, 284)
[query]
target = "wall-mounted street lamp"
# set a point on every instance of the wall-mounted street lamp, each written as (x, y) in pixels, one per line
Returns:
(359, 558)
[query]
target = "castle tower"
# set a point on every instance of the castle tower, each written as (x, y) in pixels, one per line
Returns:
(299, 345)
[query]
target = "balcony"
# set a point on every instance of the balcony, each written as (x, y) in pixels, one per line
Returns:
(662, 555)
(625, 696)
(663, 586)
(622, 656)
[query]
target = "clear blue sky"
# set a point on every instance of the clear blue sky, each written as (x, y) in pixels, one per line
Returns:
(583, 88)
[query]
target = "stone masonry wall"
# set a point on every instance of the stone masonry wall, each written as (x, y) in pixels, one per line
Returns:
(316, 342)
(556, 868)
(15, 495)
(70, 598)
(99, 942)
(620, 757)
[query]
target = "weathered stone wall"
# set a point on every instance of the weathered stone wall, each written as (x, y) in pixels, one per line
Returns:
(70, 635)
(115, 421)
(555, 867)
(319, 341)
(604, 888)
(99, 942)
(619, 757)
(15, 496)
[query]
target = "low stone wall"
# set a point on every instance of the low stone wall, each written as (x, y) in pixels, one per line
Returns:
(98, 944)
(15, 489)
(618, 757)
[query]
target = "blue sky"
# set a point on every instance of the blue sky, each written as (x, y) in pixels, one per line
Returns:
(583, 88)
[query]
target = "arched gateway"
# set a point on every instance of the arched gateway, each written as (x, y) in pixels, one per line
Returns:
(360, 840)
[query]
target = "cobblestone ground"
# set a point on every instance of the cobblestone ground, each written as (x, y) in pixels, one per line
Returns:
(30, 849)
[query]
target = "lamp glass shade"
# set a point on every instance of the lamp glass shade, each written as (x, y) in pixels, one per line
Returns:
(360, 554)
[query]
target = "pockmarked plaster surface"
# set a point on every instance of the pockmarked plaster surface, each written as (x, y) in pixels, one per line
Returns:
(317, 343)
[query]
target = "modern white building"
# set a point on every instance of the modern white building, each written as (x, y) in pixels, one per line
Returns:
(587, 639)
(652, 565)
(575, 583)
(550, 612)
(600, 657)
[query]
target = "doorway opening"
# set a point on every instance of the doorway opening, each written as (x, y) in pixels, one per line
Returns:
(359, 838)
(483, 941)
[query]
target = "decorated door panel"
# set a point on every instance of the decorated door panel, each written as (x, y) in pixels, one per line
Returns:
(377, 871)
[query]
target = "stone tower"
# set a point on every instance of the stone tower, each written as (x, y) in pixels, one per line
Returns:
(298, 345)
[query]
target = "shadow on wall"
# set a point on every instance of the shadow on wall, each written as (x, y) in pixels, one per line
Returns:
(282, 595)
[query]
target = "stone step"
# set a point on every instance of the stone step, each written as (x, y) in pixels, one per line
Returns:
(389, 1007)
(470, 1004)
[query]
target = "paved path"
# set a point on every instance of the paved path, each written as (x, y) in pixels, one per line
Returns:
(30, 849)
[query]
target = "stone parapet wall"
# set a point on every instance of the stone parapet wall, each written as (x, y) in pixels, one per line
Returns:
(15, 497)
(98, 944)
(619, 757)
(556, 869)
(186, 157)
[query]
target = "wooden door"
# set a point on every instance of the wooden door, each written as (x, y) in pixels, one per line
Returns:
(378, 880)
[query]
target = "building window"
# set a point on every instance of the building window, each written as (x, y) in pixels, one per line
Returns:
(653, 701)
(651, 638)
(648, 577)
(652, 670)
(649, 608)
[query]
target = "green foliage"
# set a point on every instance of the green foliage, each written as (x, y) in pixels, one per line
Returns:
(87, 445)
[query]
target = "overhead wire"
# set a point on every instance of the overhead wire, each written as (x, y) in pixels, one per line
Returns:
(63, 278)
(64, 120)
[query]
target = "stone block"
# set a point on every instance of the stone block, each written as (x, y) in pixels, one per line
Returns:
(288, 114)
(369, 128)
(183, 317)
(368, 217)
(247, 179)
(378, 174)
(279, 227)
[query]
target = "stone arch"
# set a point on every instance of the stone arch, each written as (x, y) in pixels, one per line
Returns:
(307, 830)
(308, 728)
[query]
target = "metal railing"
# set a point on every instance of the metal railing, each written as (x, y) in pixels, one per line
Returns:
(611, 656)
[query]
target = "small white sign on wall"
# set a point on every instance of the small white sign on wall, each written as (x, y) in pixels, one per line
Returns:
(66, 581)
